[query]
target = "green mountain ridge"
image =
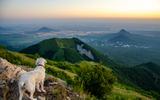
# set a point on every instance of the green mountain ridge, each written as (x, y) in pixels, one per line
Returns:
(65, 49)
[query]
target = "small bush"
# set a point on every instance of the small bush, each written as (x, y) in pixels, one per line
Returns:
(96, 79)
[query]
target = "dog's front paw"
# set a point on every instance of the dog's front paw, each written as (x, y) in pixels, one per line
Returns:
(44, 91)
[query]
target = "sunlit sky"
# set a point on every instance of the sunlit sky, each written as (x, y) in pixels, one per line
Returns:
(19, 9)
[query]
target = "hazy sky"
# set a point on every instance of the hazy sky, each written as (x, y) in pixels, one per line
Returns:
(21, 9)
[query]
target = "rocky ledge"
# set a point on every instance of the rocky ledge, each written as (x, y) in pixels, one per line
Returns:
(56, 89)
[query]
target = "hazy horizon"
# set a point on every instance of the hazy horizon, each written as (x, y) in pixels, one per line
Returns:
(48, 9)
(118, 14)
(100, 24)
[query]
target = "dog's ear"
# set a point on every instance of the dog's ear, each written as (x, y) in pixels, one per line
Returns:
(45, 61)
(37, 61)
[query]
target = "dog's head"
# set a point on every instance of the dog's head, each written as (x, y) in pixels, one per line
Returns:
(41, 62)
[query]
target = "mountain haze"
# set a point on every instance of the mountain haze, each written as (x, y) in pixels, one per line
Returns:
(126, 47)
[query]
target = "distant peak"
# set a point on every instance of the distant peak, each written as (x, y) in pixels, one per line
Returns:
(45, 28)
(123, 32)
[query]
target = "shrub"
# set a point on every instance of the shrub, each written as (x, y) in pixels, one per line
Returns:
(96, 79)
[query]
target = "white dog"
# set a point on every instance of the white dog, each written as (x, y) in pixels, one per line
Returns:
(34, 79)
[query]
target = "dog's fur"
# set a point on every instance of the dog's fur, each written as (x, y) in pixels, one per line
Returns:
(32, 80)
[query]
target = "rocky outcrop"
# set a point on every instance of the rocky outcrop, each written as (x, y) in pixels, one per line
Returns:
(9, 71)
(85, 52)
(56, 89)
